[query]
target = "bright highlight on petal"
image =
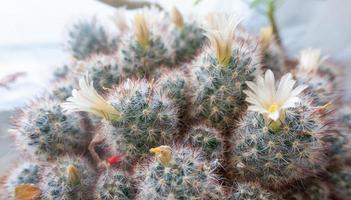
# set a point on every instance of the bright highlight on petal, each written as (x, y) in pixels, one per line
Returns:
(270, 101)
(88, 100)
(141, 30)
(220, 30)
(309, 60)
(177, 18)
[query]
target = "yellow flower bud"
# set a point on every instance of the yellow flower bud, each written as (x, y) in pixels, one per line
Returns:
(141, 30)
(266, 37)
(220, 30)
(164, 153)
(177, 18)
(73, 175)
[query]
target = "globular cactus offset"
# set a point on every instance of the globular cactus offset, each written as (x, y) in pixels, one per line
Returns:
(188, 38)
(312, 190)
(178, 173)
(339, 151)
(114, 184)
(148, 118)
(86, 38)
(280, 139)
(309, 71)
(44, 130)
(103, 71)
(176, 86)
(341, 183)
(248, 191)
(219, 80)
(69, 178)
(28, 173)
(208, 140)
(272, 53)
(142, 51)
(62, 88)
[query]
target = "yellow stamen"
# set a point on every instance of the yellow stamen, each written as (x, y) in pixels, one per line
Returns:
(273, 108)
(141, 30)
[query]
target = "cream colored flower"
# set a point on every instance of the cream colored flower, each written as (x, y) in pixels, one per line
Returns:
(88, 100)
(121, 20)
(309, 60)
(177, 18)
(265, 98)
(141, 30)
(220, 30)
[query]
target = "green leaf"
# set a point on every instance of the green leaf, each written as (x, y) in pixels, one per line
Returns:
(256, 3)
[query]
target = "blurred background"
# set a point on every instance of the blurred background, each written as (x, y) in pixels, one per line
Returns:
(33, 33)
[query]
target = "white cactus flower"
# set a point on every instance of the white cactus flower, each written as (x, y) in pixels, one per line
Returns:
(265, 98)
(220, 30)
(87, 99)
(310, 60)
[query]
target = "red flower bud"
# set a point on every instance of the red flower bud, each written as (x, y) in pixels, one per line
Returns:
(114, 159)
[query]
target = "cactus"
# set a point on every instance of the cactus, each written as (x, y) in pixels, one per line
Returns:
(148, 118)
(341, 183)
(207, 140)
(176, 86)
(313, 190)
(220, 80)
(42, 129)
(187, 37)
(142, 51)
(246, 191)
(69, 178)
(183, 175)
(219, 90)
(278, 157)
(187, 42)
(88, 37)
(103, 71)
(61, 72)
(114, 184)
(339, 151)
(272, 53)
(26, 173)
(62, 89)
(321, 85)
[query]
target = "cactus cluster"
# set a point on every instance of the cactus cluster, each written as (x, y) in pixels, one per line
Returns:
(88, 37)
(169, 108)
